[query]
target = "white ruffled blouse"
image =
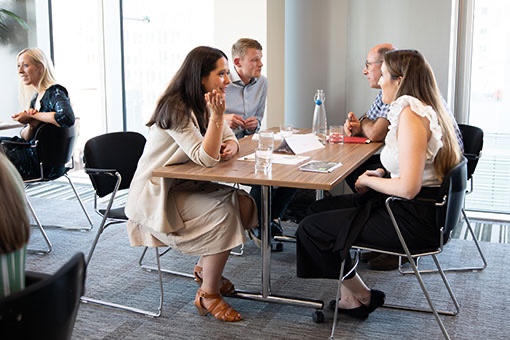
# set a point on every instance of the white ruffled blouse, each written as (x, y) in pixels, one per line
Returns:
(390, 155)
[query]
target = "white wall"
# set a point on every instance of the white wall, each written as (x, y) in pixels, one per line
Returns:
(416, 24)
(315, 58)
(325, 43)
(234, 20)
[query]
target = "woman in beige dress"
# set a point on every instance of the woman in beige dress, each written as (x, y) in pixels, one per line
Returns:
(198, 218)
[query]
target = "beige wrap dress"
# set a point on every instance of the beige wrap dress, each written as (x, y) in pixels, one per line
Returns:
(198, 218)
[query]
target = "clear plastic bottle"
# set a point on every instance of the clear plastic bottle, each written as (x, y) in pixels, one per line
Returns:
(320, 122)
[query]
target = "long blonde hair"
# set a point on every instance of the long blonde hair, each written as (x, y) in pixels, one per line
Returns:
(418, 80)
(38, 57)
(14, 223)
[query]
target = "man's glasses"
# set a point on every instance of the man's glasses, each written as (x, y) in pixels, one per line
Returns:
(367, 64)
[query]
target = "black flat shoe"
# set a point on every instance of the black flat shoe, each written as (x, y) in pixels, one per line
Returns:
(360, 312)
(276, 229)
(376, 300)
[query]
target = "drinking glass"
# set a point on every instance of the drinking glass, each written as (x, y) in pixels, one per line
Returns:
(286, 130)
(266, 140)
(263, 160)
(336, 134)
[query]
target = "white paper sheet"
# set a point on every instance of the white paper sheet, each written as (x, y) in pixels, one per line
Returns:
(304, 143)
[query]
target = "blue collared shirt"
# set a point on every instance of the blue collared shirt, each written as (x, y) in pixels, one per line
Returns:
(246, 100)
(378, 109)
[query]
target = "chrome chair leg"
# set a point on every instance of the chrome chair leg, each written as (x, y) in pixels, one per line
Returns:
(134, 309)
(43, 232)
(150, 268)
(91, 224)
(457, 269)
(238, 253)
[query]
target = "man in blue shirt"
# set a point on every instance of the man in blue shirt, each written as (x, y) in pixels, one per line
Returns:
(246, 95)
(246, 103)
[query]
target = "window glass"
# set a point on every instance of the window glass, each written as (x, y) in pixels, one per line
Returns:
(158, 34)
(78, 58)
(489, 102)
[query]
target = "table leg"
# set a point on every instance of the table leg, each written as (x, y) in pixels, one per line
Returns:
(266, 246)
(319, 194)
(265, 294)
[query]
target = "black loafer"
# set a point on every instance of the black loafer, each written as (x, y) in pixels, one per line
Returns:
(360, 312)
(376, 300)
(276, 229)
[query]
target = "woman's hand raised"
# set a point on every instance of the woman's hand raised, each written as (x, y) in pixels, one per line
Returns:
(215, 104)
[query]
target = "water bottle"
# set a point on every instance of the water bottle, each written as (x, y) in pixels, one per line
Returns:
(320, 123)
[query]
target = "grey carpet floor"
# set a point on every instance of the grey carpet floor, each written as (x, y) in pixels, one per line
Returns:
(114, 274)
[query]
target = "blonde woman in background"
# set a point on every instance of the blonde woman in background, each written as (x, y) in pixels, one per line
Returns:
(42, 101)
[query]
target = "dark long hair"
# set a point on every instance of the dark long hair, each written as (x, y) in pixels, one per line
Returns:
(418, 80)
(185, 93)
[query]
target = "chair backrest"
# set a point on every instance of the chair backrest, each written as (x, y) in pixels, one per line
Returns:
(47, 307)
(55, 147)
(118, 151)
(472, 137)
(454, 187)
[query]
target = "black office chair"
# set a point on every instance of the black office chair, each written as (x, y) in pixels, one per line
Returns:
(472, 138)
(449, 204)
(46, 309)
(54, 150)
(111, 160)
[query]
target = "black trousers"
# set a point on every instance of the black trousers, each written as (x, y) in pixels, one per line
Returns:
(280, 199)
(325, 237)
(374, 162)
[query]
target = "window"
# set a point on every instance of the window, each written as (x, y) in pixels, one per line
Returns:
(77, 38)
(155, 45)
(489, 102)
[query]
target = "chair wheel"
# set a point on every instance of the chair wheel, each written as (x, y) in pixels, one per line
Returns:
(318, 316)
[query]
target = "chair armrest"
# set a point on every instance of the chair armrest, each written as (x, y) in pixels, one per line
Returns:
(19, 144)
(473, 156)
(94, 171)
(417, 200)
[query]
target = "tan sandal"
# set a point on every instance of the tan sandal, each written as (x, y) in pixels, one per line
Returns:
(219, 308)
(227, 287)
